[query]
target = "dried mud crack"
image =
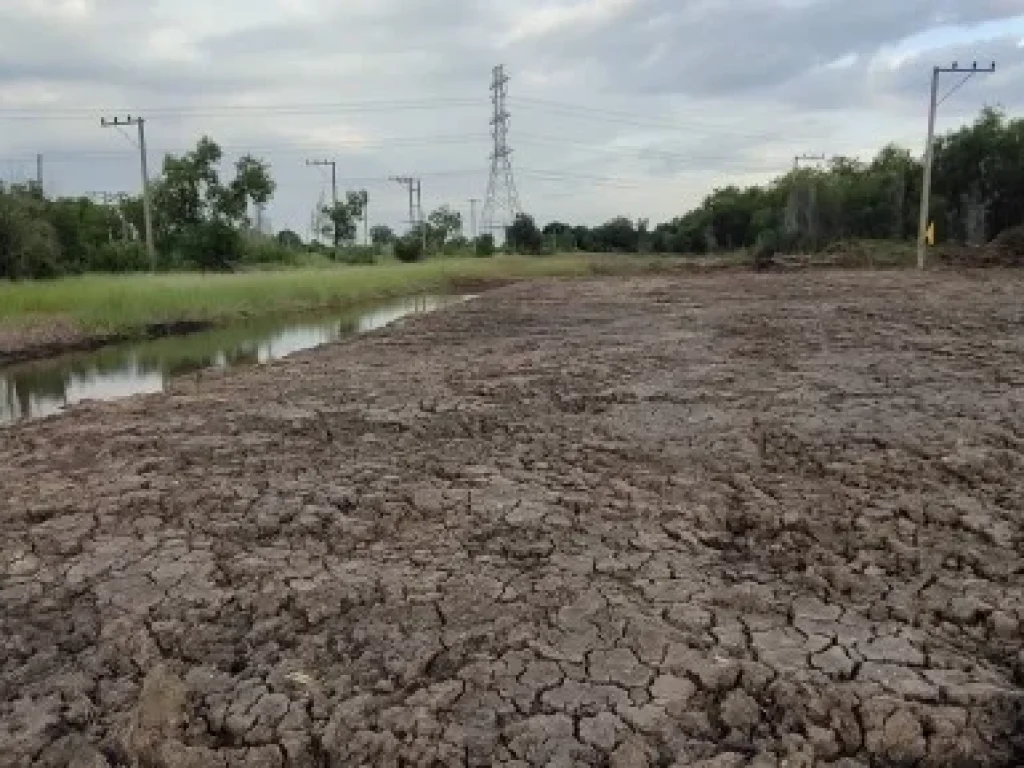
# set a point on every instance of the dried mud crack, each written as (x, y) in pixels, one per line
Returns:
(720, 521)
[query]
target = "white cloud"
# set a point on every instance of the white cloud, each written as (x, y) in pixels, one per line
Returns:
(548, 19)
(679, 96)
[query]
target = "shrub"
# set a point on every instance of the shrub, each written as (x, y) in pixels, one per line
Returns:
(258, 249)
(119, 256)
(358, 254)
(212, 245)
(409, 249)
(484, 246)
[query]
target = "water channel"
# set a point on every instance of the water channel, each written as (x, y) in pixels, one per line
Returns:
(46, 387)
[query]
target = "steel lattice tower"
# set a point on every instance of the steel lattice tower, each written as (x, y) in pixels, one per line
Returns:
(502, 203)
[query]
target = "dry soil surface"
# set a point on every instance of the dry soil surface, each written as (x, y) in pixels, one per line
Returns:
(723, 521)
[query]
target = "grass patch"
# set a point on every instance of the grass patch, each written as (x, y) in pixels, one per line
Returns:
(129, 303)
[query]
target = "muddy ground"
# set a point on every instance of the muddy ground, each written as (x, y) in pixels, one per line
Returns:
(737, 520)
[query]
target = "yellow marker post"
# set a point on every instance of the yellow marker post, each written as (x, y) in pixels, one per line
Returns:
(929, 234)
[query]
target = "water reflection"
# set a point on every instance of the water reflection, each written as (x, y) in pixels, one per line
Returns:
(43, 388)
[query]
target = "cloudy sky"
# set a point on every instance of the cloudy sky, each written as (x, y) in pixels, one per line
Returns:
(631, 107)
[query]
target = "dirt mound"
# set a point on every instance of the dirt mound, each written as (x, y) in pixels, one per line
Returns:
(1006, 250)
(1008, 247)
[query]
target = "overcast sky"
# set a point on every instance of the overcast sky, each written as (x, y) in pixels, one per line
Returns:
(631, 107)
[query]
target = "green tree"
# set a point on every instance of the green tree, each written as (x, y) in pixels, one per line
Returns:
(443, 222)
(523, 236)
(382, 235)
(196, 214)
(342, 217)
(289, 239)
(409, 248)
(484, 245)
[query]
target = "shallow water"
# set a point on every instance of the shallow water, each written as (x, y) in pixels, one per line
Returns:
(45, 387)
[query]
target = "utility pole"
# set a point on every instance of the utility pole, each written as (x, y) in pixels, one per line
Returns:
(502, 196)
(807, 158)
(114, 198)
(364, 196)
(472, 215)
(333, 165)
(415, 186)
(39, 173)
(419, 208)
(929, 149)
(147, 208)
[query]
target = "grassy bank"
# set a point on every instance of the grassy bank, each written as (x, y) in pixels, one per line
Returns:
(125, 304)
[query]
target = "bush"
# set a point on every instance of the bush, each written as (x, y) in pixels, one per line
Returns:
(484, 246)
(358, 254)
(212, 245)
(119, 256)
(258, 249)
(409, 249)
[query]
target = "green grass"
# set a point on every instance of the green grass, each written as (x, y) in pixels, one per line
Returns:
(128, 303)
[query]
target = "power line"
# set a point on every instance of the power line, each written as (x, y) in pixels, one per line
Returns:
(233, 110)
(956, 87)
(613, 116)
(381, 143)
(644, 153)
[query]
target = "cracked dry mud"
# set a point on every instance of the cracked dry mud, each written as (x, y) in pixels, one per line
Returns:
(723, 521)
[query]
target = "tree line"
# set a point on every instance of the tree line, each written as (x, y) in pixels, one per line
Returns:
(977, 192)
(202, 217)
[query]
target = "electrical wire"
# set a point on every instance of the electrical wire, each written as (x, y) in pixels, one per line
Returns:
(955, 88)
(625, 118)
(644, 153)
(291, 149)
(233, 110)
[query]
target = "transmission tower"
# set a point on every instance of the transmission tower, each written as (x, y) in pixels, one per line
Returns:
(502, 203)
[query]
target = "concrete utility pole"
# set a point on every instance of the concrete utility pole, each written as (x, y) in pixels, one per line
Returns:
(419, 208)
(39, 173)
(364, 196)
(415, 186)
(147, 208)
(472, 215)
(410, 183)
(333, 165)
(929, 148)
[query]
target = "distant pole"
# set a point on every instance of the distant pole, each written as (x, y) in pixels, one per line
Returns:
(419, 210)
(39, 173)
(366, 218)
(472, 215)
(929, 147)
(411, 184)
(147, 207)
(333, 164)
(808, 158)
(147, 204)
